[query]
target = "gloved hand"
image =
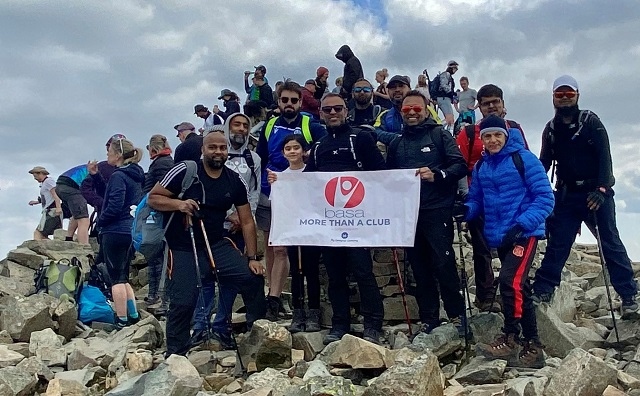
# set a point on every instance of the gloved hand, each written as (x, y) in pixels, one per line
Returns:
(596, 198)
(512, 236)
(459, 211)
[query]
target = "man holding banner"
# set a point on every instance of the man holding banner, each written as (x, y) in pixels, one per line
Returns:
(425, 146)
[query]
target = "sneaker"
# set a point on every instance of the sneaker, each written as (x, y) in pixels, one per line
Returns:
(531, 356)
(540, 298)
(297, 322)
(224, 339)
(334, 335)
(372, 335)
(503, 347)
(133, 320)
(313, 321)
(273, 306)
(120, 324)
(630, 308)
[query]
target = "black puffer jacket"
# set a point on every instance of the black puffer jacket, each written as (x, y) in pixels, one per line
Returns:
(352, 68)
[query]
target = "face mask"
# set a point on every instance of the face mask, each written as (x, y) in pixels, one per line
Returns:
(238, 139)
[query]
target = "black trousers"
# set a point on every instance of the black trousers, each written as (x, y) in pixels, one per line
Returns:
(232, 273)
(434, 266)
(515, 288)
(340, 262)
(569, 212)
(310, 271)
(481, 261)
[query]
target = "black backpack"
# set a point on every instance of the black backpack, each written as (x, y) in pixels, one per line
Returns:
(99, 277)
(434, 86)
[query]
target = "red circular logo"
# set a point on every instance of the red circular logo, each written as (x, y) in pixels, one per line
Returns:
(344, 192)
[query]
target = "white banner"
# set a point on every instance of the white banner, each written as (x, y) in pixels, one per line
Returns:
(365, 209)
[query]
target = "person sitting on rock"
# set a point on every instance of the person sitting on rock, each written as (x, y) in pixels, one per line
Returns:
(513, 192)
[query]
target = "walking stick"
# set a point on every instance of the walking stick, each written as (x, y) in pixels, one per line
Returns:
(215, 270)
(301, 277)
(465, 287)
(605, 274)
(198, 278)
(401, 284)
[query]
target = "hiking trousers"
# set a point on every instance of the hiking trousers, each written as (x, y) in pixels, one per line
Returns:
(515, 288)
(310, 271)
(233, 276)
(434, 266)
(483, 271)
(569, 212)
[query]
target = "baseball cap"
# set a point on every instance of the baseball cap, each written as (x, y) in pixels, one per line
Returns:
(184, 126)
(452, 63)
(565, 81)
(398, 79)
(39, 169)
(224, 93)
(198, 108)
(261, 68)
(117, 136)
(310, 81)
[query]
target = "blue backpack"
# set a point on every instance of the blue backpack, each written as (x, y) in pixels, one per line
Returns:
(147, 230)
(93, 306)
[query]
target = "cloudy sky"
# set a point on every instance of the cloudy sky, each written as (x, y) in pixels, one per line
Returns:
(73, 73)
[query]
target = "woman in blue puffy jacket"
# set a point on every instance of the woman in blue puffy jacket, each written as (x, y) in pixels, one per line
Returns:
(511, 190)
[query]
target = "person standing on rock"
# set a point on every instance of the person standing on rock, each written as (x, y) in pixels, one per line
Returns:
(124, 189)
(510, 187)
(51, 218)
(579, 144)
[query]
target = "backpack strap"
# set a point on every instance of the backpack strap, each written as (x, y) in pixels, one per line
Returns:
(252, 165)
(269, 127)
(471, 131)
(190, 177)
(306, 130)
(377, 109)
(519, 163)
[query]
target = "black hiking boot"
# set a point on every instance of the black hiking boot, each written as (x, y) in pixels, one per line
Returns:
(542, 298)
(334, 335)
(629, 308)
(273, 306)
(372, 335)
(297, 322)
(119, 323)
(313, 321)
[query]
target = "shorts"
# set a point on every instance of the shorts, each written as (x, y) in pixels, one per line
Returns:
(74, 201)
(117, 253)
(263, 213)
(445, 105)
(49, 222)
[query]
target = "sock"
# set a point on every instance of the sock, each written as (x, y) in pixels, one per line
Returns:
(123, 319)
(68, 239)
(131, 308)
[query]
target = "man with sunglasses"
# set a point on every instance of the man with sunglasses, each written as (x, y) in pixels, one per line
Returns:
(578, 143)
(190, 147)
(364, 111)
(425, 146)
(346, 149)
(269, 149)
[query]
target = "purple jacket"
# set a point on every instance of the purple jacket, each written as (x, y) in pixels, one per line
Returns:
(94, 187)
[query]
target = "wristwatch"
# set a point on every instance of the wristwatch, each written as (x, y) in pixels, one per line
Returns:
(254, 258)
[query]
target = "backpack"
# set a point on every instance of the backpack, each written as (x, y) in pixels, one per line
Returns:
(517, 161)
(583, 117)
(99, 277)
(434, 86)
(473, 130)
(93, 306)
(352, 139)
(147, 231)
(58, 278)
(377, 109)
(306, 129)
(249, 158)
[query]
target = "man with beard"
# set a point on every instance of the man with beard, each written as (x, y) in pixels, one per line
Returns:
(578, 143)
(427, 147)
(364, 112)
(207, 200)
(269, 149)
(346, 149)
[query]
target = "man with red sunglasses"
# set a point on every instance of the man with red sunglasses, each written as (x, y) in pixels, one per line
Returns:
(577, 141)
(425, 146)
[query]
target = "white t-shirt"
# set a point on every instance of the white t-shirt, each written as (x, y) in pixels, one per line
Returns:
(289, 170)
(46, 197)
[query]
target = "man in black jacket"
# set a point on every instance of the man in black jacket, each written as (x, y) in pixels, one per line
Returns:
(352, 70)
(346, 149)
(427, 147)
(190, 147)
(578, 143)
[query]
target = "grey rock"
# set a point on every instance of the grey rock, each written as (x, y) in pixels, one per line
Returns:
(338, 386)
(564, 302)
(36, 367)
(15, 287)
(141, 361)
(203, 361)
(394, 308)
(526, 386)
(629, 332)
(5, 337)
(442, 341)
(486, 326)
(559, 337)
(355, 352)
(26, 258)
(82, 377)
(400, 340)
(421, 377)
(25, 315)
(47, 346)
(268, 345)
(9, 357)
(581, 374)
(66, 314)
(78, 359)
(481, 371)
(355, 375)
(16, 382)
(317, 368)
(310, 343)
(268, 377)
(66, 387)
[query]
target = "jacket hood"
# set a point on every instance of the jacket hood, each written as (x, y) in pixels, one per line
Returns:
(427, 124)
(134, 171)
(514, 143)
(227, 134)
(344, 53)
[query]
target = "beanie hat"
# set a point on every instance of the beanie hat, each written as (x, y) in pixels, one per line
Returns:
(321, 71)
(493, 123)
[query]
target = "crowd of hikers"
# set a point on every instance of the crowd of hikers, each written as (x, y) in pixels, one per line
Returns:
(478, 173)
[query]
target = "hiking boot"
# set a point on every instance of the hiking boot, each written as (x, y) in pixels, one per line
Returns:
(457, 322)
(273, 306)
(297, 322)
(488, 306)
(225, 340)
(629, 308)
(334, 335)
(372, 335)
(198, 337)
(539, 298)
(504, 347)
(313, 321)
(119, 323)
(531, 356)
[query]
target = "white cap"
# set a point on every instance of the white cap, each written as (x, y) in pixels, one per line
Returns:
(565, 81)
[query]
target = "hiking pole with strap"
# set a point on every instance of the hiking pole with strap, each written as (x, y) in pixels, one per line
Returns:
(229, 322)
(402, 291)
(301, 297)
(605, 273)
(465, 288)
(198, 278)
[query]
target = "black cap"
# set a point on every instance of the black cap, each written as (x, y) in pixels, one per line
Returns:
(224, 93)
(198, 108)
(261, 68)
(398, 79)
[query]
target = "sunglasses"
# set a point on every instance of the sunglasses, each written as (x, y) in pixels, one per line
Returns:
(415, 108)
(286, 100)
(362, 89)
(336, 108)
(565, 94)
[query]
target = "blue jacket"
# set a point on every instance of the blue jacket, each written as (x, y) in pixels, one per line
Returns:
(123, 190)
(499, 192)
(388, 125)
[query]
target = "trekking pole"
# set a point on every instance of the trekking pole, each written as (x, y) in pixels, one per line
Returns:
(301, 297)
(198, 278)
(401, 284)
(222, 306)
(465, 288)
(605, 273)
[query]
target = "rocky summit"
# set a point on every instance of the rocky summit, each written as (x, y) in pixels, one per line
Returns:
(45, 350)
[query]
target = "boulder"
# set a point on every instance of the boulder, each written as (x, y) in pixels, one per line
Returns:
(628, 331)
(83, 376)
(268, 377)
(338, 386)
(15, 287)
(581, 374)
(486, 326)
(481, 371)
(394, 308)
(36, 367)
(421, 376)
(317, 368)
(268, 345)
(22, 316)
(443, 340)
(26, 258)
(5, 337)
(46, 345)
(66, 314)
(203, 361)
(65, 387)
(357, 353)
(526, 386)
(310, 343)
(9, 357)
(17, 382)
(613, 391)
(140, 361)
(216, 381)
(559, 337)
(564, 302)
(78, 359)
(57, 250)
